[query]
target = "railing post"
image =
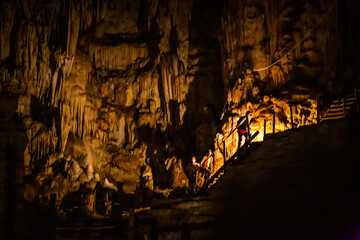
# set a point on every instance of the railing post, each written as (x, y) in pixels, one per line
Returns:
(106, 203)
(274, 122)
(291, 116)
(344, 107)
(224, 151)
(317, 110)
(247, 139)
(356, 100)
(131, 224)
(264, 127)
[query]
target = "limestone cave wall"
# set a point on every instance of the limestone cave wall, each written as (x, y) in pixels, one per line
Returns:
(111, 89)
(129, 90)
(304, 36)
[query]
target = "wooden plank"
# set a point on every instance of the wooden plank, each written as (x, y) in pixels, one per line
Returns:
(351, 99)
(340, 105)
(338, 109)
(333, 118)
(334, 114)
(349, 95)
(335, 109)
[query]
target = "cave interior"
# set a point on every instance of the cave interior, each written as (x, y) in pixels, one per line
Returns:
(103, 104)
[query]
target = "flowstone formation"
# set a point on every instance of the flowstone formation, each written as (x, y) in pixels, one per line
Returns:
(125, 92)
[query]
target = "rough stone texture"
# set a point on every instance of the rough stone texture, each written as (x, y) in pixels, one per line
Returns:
(129, 90)
(279, 26)
(12, 146)
(293, 186)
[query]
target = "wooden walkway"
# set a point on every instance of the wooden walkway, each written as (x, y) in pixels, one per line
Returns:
(202, 185)
(212, 181)
(268, 196)
(341, 107)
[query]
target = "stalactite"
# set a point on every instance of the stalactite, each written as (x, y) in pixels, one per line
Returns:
(279, 17)
(110, 70)
(172, 81)
(42, 141)
(8, 10)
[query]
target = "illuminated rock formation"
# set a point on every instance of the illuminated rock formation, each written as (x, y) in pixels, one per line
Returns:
(130, 90)
(304, 36)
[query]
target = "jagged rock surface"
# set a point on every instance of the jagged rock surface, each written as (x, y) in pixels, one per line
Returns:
(129, 90)
(303, 35)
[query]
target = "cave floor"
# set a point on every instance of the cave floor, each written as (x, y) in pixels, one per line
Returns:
(298, 184)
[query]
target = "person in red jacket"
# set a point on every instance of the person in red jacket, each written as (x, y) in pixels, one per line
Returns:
(243, 130)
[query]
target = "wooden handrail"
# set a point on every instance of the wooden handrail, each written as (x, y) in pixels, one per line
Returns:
(231, 132)
(227, 163)
(223, 142)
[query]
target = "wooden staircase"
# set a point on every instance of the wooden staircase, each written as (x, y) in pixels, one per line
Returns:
(212, 181)
(341, 107)
(337, 110)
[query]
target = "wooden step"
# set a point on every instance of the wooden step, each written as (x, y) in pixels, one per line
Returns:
(338, 109)
(338, 104)
(349, 95)
(216, 179)
(350, 99)
(341, 105)
(332, 118)
(335, 110)
(334, 114)
(221, 171)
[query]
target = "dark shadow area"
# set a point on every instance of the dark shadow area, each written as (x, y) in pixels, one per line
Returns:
(13, 142)
(207, 86)
(297, 184)
(306, 189)
(301, 82)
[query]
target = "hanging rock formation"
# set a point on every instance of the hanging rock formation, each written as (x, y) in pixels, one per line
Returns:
(129, 90)
(304, 36)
